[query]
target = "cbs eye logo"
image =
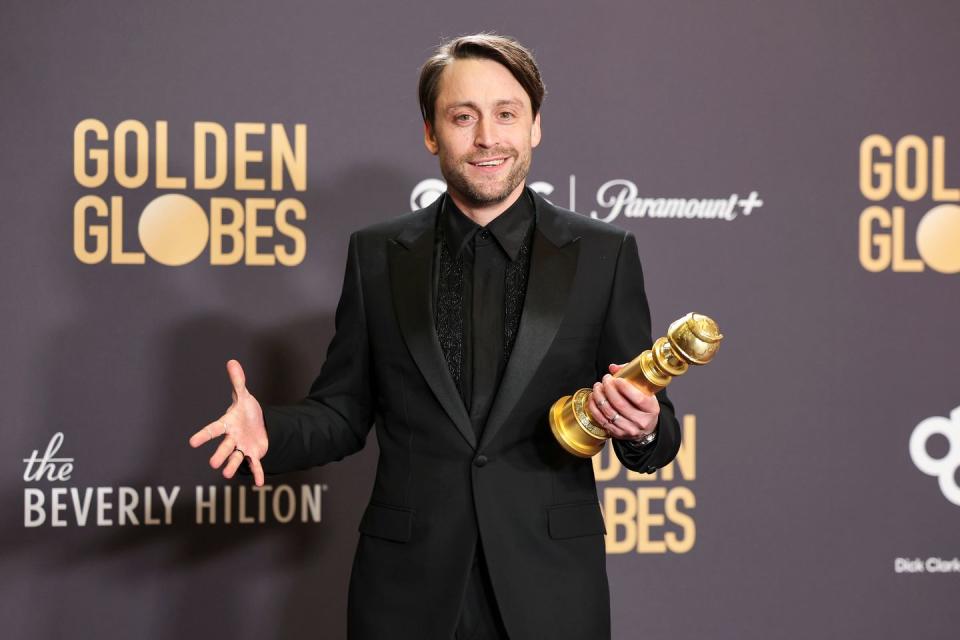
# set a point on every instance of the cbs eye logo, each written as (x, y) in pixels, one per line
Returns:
(427, 191)
(945, 468)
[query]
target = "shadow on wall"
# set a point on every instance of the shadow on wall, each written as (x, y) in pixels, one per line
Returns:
(122, 381)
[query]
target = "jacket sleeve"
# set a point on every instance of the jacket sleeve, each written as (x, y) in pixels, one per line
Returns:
(626, 334)
(334, 419)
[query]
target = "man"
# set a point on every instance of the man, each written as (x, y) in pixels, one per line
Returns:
(457, 328)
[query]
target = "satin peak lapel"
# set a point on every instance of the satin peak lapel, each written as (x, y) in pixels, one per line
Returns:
(411, 282)
(553, 264)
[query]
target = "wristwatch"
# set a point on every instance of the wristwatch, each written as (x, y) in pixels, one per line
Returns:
(647, 439)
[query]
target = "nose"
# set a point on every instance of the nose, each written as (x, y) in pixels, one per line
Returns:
(485, 133)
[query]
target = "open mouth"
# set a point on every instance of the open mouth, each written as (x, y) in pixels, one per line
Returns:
(490, 164)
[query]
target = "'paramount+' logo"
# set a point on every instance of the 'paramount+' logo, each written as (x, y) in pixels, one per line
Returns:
(229, 192)
(903, 178)
(620, 197)
(943, 468)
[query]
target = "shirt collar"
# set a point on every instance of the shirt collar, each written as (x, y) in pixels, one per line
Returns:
(509, 228)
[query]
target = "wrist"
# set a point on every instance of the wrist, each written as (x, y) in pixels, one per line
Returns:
(646, 438)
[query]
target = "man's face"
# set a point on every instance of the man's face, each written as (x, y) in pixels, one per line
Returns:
(483, 131)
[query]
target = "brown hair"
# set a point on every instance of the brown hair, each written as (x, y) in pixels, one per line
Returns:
(507, 51)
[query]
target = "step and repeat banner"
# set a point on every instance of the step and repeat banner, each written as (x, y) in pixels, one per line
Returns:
(179, 182)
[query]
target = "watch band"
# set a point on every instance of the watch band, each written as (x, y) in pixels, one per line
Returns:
(647, 439)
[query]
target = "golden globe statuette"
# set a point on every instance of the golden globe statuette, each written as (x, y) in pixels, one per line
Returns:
(693, 339)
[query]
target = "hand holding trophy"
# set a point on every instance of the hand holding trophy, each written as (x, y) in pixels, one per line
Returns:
(692, 339)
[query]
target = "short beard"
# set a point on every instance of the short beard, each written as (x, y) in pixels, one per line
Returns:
(457, 180)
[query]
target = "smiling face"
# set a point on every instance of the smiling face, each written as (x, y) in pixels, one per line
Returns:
(484, 131)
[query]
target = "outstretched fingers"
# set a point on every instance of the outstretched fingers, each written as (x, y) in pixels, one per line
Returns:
(227, 446)
(239, 430)
(234, 460)
(257, 469)
(213, 430)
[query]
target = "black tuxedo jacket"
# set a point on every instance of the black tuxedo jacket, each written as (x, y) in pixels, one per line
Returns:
(438, 491)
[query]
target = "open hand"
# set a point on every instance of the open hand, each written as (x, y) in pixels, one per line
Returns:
(245, 436)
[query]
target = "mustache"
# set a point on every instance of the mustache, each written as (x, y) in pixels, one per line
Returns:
(493, 155)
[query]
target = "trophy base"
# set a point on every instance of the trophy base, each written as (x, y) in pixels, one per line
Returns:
(573, 427)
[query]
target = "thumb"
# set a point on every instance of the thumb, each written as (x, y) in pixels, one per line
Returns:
(237, 379)
(616, 367)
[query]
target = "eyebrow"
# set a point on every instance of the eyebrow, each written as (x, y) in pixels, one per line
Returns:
(473, 105)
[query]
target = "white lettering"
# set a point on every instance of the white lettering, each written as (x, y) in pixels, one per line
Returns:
(81, 510)
(619, 197)
(55, 469)
(627, 192)
(284, 490)
(310, 497)
(103, 505)
(33, 512)
(939, 565)
(206, 504)
(131, 506)
(262, 500)
(227, 505)
(148, 517)
(127, 501)
(167, 499)
(907, 565)
(58, 506)
(242, 516)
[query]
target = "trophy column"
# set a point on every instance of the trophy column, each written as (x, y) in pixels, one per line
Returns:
(692, 339)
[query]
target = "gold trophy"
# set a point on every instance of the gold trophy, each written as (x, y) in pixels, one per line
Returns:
(693, 339)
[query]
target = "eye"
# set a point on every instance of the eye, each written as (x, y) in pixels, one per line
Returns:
(462, 117)
(506, 115)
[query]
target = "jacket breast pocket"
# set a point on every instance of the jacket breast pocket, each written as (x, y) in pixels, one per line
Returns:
(575, 520)
(387, 522)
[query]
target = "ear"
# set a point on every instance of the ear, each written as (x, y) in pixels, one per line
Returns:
(430, 139)
(535, 132)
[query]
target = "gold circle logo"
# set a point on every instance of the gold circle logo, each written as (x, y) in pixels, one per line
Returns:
(173, 229)
(938, 238)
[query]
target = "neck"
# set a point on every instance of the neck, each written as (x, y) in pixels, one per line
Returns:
(485, 214)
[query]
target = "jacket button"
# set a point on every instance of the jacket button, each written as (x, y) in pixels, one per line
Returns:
(480, 461)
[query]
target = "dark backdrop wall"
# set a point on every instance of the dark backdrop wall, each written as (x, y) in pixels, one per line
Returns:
(179, 181)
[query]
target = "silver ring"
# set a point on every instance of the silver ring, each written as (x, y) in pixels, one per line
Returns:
(614, 418)
(240, 450)
(602, 402)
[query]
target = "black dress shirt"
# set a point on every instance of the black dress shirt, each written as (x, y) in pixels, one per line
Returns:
(481, 283)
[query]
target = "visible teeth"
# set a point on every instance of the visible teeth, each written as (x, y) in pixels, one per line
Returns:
(490, 163)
